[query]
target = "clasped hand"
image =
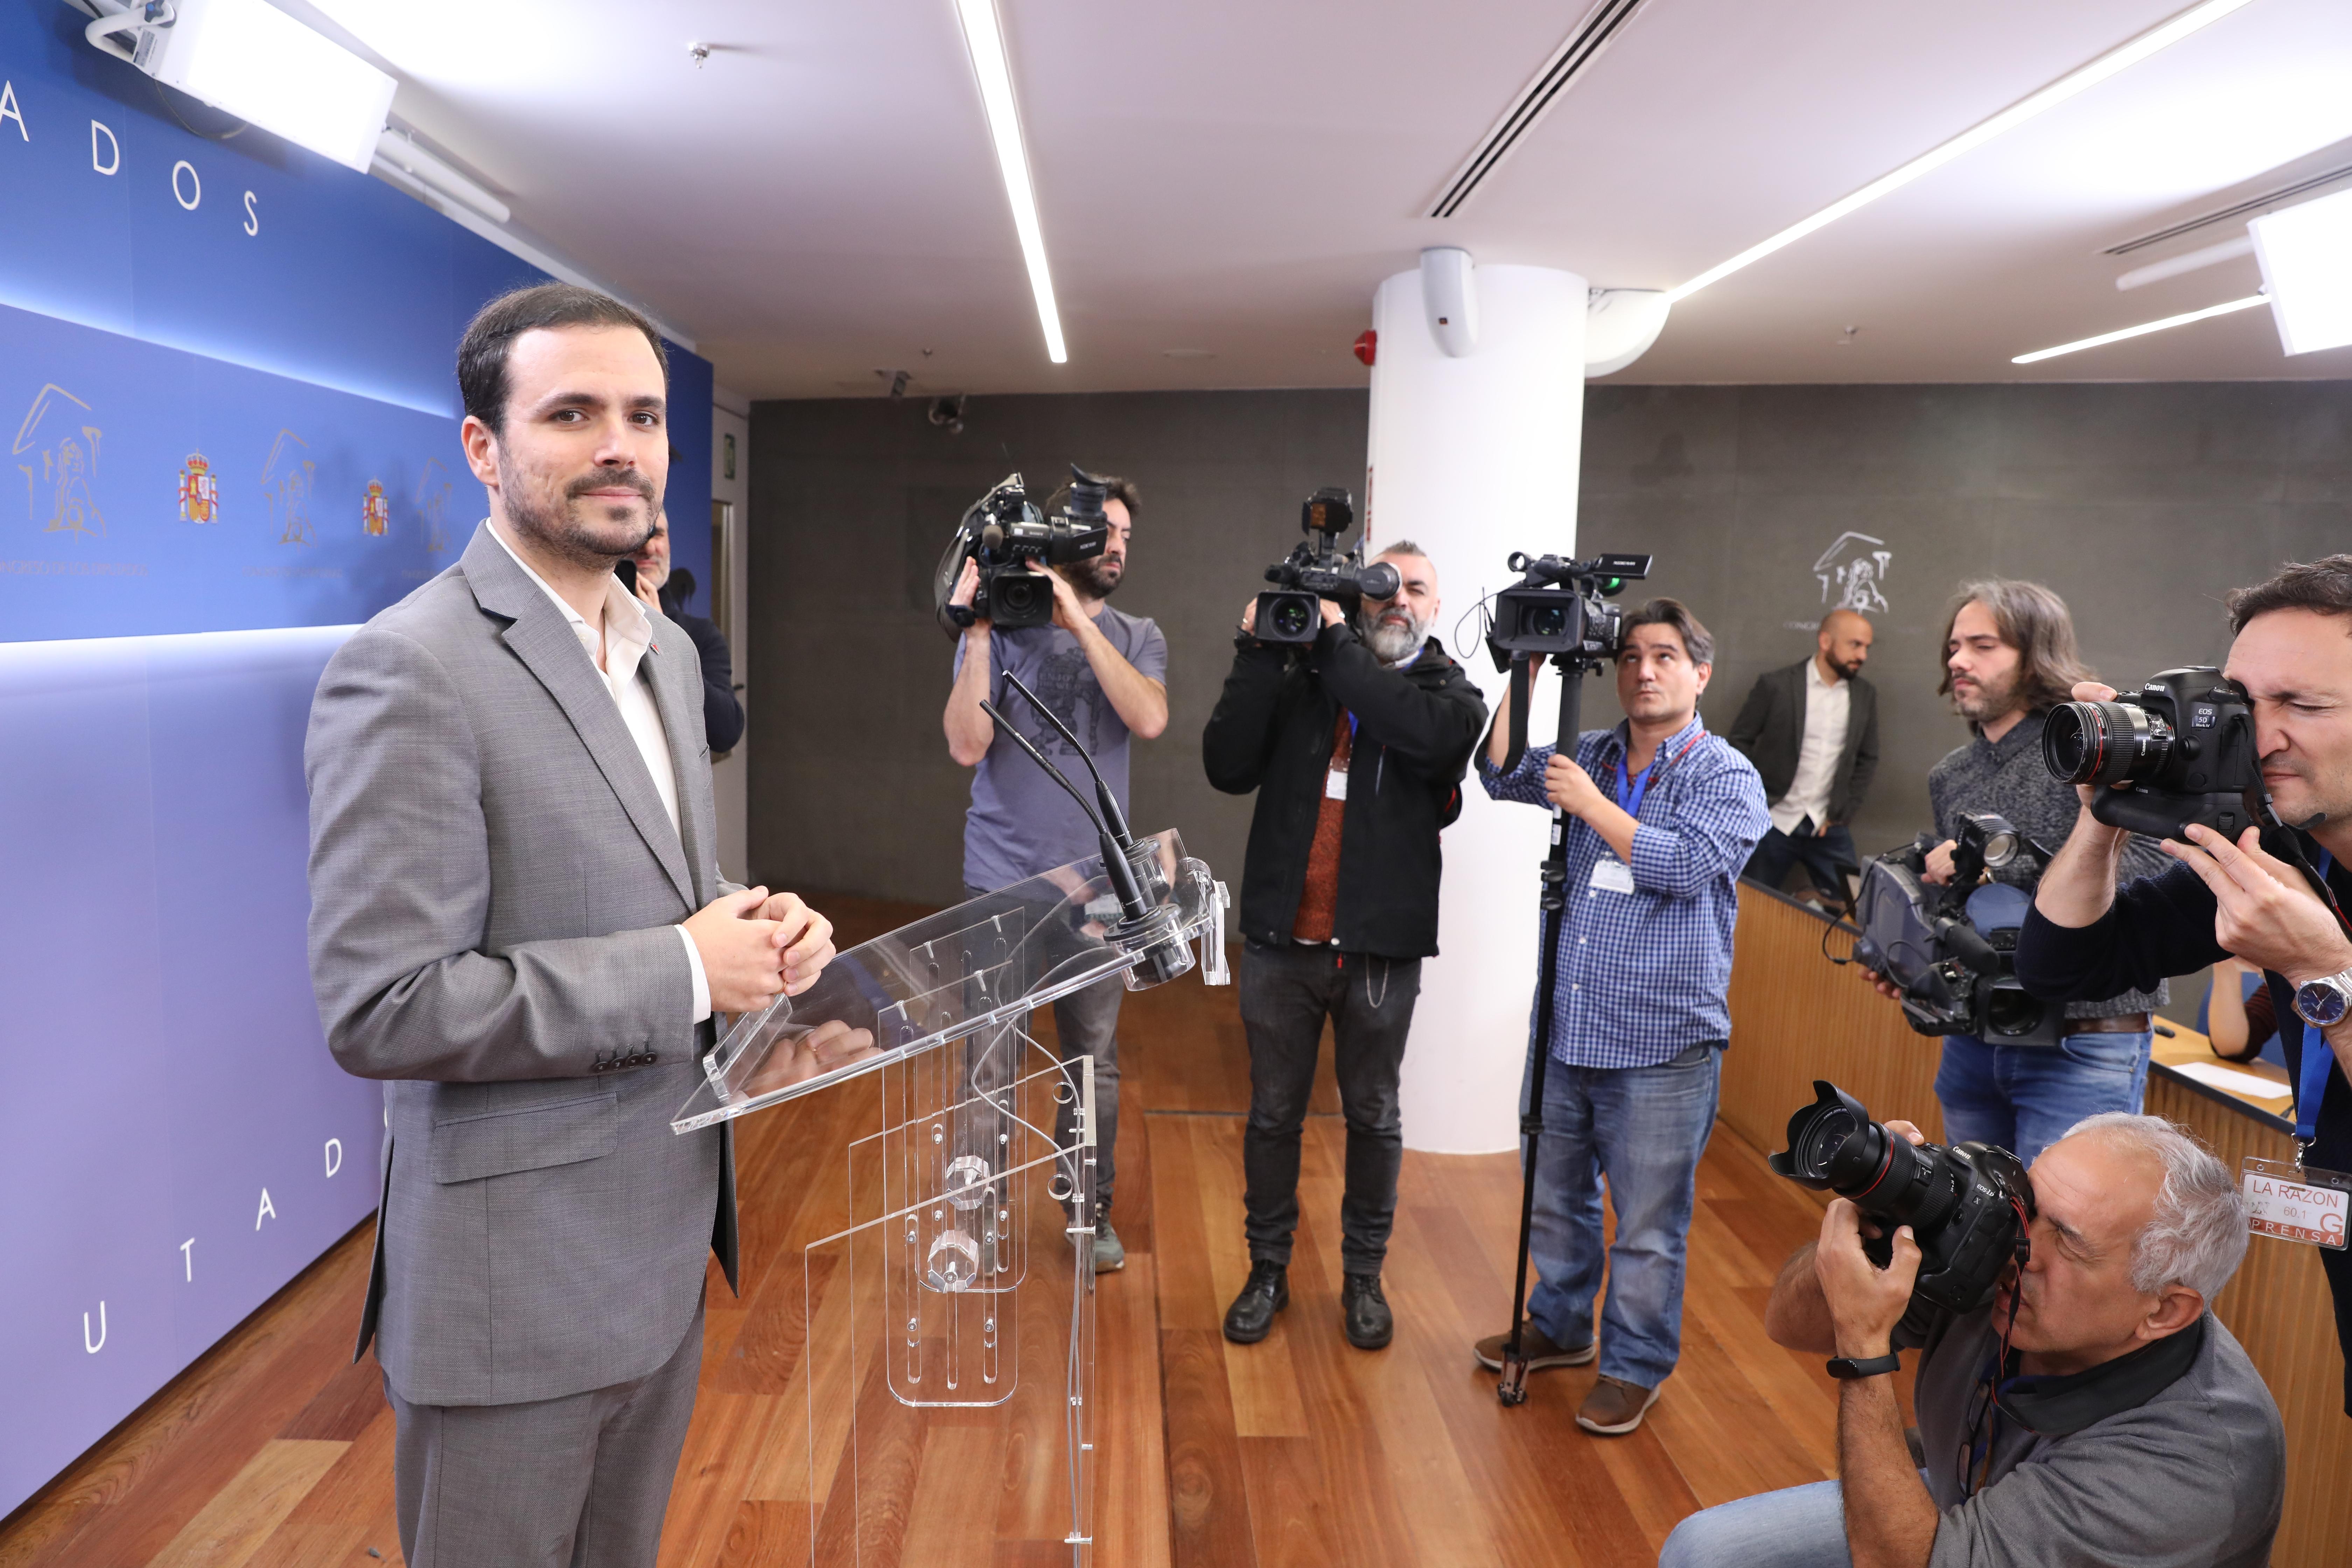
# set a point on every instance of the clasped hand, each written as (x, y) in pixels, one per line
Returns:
(755, 946)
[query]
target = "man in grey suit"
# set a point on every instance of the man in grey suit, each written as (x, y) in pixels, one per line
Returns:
(517, 923)
(1811, 729)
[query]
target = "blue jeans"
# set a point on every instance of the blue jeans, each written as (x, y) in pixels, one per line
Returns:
(1645, 1129)
(1826, 856)
(1799, 1527)
(2024, 1098)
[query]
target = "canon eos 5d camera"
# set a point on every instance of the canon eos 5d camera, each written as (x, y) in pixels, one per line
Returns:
(2185, 746)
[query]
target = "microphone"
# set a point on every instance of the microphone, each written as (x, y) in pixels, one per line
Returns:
(1112, 816)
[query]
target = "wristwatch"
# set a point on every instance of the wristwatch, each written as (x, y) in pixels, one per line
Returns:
(2322, 1002)
(1845, 1368)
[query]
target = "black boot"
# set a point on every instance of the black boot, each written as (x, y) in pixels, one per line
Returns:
(1364, 1312)
(1251, 1317)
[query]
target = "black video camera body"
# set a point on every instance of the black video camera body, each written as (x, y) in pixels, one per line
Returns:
(2186, 747)
(1316, 570)
(1004, 534)
(1561, 607)
(1970, 1205)
(1951, 948)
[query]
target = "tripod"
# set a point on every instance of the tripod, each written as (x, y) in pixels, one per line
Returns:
(1512, 1387)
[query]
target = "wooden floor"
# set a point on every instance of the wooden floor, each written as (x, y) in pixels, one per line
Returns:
(275, 1450)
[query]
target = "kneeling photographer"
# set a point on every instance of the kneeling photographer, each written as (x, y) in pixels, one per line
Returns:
(1355, 733)
(2275, 750)
(2083, 1405)
(2009, 658)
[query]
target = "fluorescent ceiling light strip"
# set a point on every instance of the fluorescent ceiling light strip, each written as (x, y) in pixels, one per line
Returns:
(2119, 58)
(2248, 303)
(985, 40)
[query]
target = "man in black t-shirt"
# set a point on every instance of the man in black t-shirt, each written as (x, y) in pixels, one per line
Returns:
(2085, 938)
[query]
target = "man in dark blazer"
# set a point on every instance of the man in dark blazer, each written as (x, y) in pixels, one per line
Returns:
(669, 592)
(1811, 729)
(517, 923)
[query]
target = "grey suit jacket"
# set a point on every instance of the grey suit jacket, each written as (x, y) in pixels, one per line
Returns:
(493, 881)
(1770, 730)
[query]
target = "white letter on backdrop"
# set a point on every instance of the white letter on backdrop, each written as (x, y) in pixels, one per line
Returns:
(252, 218)
(191, 202)
(113, 149)
(267, 1211)
(334, 1155)
(190, 1258)
(94, 1349)
(8, 110)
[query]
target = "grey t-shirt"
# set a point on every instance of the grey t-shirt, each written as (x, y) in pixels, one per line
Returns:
(1021, 823)
(2193, 1478)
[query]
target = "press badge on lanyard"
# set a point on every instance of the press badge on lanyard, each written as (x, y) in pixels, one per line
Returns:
(2295, 1202)
(1611, 875)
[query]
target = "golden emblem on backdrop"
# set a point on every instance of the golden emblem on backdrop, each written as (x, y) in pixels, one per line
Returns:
(288, 480)
(376, 511)
(65, 450)
(199, 491)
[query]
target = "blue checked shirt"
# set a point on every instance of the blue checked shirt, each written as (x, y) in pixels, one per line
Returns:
(1645, 975)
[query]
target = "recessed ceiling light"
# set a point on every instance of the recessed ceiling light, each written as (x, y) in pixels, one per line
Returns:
(2122, 57)
(2307, 256)
(2248, 303)
(984, 37)
(1187, 354)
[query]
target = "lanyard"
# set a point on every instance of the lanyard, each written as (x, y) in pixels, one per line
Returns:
(1630, 788)
(2318, 1056)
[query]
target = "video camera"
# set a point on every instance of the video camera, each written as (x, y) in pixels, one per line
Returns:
(1950, 949)
(2186, 747)
(1316, 570)
(1003, 533)
(1560, 607)
(1970, 1205)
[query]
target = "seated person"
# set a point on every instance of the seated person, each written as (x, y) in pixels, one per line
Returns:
(2095, 1413)
(2239, 1016)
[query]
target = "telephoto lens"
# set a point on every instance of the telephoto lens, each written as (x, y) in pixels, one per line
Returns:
(2105, 742)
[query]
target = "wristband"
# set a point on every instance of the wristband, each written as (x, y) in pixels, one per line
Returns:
(1845, 1368)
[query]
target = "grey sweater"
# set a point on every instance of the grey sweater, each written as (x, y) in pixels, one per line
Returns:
(2193, 1478)
(2009, 776)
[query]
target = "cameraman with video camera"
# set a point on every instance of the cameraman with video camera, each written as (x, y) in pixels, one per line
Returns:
(2092, 1411)
(2291, 662)
(2009, 656)
(1355, 736)
(1105, 673)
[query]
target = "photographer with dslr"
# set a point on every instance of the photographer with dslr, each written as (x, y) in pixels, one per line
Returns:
(1356, 744)
(1660, 818)
(1104, 672)
(2009, 658)
(2091, 1410)
(2248, 892)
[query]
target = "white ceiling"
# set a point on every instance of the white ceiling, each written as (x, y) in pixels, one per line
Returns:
(1232, 178)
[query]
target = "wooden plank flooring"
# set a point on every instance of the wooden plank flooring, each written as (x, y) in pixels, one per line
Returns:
(1301, 1450)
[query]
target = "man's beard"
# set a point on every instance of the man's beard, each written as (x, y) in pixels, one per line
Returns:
(1846, 671)
(1097, 577)
(1393, 635)
(1989, 700)
(558, 525)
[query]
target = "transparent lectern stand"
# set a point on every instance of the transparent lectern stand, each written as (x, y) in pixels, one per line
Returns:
(948, 1322)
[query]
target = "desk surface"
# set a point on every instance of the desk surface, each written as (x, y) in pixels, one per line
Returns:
(2187, 1046)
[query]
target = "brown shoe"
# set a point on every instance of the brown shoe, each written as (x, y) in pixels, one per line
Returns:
(1616, 1407)
(1541, 1352)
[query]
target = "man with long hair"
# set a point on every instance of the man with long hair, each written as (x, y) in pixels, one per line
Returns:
(2010, 656)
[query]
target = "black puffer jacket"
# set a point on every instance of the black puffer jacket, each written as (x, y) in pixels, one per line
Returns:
(1415, 728)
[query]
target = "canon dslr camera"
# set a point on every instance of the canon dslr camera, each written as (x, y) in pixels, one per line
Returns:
(1291, 612)
(1970, 1205)
(1004, 534)
(2186, 747)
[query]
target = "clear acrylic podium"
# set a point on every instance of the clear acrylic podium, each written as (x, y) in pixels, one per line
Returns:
(953, 1312)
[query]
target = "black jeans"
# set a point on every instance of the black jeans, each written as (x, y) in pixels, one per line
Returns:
(1286, 994)
(1827, 856)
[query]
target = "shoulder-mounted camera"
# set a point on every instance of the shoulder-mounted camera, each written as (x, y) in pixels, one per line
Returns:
(1003, 532)
(1317, 569)
(1951, 948)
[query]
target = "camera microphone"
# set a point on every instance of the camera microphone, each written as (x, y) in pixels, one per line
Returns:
(992, 538)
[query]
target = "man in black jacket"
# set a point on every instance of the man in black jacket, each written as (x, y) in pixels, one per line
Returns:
(722, 711)
(1357, 750)
(1811, 729)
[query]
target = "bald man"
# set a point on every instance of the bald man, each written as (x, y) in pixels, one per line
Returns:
(1811, 729)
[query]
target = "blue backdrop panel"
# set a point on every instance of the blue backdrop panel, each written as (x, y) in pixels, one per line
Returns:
(164, 1060)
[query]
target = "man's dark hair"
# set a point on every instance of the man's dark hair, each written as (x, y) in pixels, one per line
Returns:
(2034, 621)
(2323, 586)
(1115, 489)
(1697, 641)
(482, 352)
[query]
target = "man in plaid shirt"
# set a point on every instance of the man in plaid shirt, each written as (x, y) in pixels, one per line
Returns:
(1661, 815)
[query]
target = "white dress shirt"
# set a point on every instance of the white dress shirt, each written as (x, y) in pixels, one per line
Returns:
(1828, 704)
(628, 633)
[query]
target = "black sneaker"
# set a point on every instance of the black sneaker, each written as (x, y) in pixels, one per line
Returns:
(1251, 1317)
(1364, 1312)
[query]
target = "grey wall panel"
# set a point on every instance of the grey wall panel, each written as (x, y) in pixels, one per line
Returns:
(2140, 503)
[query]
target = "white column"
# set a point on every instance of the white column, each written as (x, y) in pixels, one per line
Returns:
(1474, 455)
